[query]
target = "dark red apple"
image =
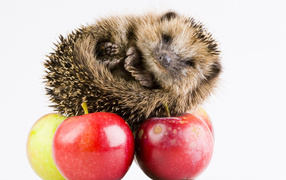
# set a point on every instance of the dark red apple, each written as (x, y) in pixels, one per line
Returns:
(174, 147)
(93, 146)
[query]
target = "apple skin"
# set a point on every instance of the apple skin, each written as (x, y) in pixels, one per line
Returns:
(93, 146)
(39, 146)
(174, 147)
(203, 115)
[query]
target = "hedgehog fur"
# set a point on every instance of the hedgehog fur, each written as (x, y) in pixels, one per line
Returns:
(75, 72)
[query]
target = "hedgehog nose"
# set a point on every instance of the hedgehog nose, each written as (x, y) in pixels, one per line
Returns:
(165, 60)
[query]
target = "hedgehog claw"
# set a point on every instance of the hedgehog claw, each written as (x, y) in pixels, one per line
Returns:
(112, 64)
(132, 65)
(107, 49)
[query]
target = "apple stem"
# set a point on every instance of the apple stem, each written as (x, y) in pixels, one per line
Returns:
(167, 110)
(84, 106)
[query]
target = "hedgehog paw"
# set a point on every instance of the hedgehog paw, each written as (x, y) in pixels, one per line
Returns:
(144, 78)
(132, 65)
(107, 49)
(132, 59)
(111, 64)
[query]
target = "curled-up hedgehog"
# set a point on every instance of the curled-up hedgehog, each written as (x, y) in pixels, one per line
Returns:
(133, 66)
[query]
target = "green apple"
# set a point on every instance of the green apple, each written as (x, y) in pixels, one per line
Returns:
(39, 146)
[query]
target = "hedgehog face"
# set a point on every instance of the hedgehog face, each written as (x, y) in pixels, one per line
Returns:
(179, 52)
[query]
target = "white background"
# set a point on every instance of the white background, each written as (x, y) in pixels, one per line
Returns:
(248, 110)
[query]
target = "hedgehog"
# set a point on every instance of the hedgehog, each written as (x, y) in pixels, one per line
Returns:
(133, 66)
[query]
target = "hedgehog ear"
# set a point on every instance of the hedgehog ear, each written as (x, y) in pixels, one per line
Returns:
(169, 15)
(215, 71)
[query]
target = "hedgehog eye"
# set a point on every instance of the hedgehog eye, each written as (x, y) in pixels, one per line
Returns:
(190, 62)
(166, 38)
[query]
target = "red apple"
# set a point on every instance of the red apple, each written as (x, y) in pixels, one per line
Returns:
(174, 147)
(202, 114)
(93, 146)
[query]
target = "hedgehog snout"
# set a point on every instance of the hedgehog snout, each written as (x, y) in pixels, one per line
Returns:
(165, 60)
